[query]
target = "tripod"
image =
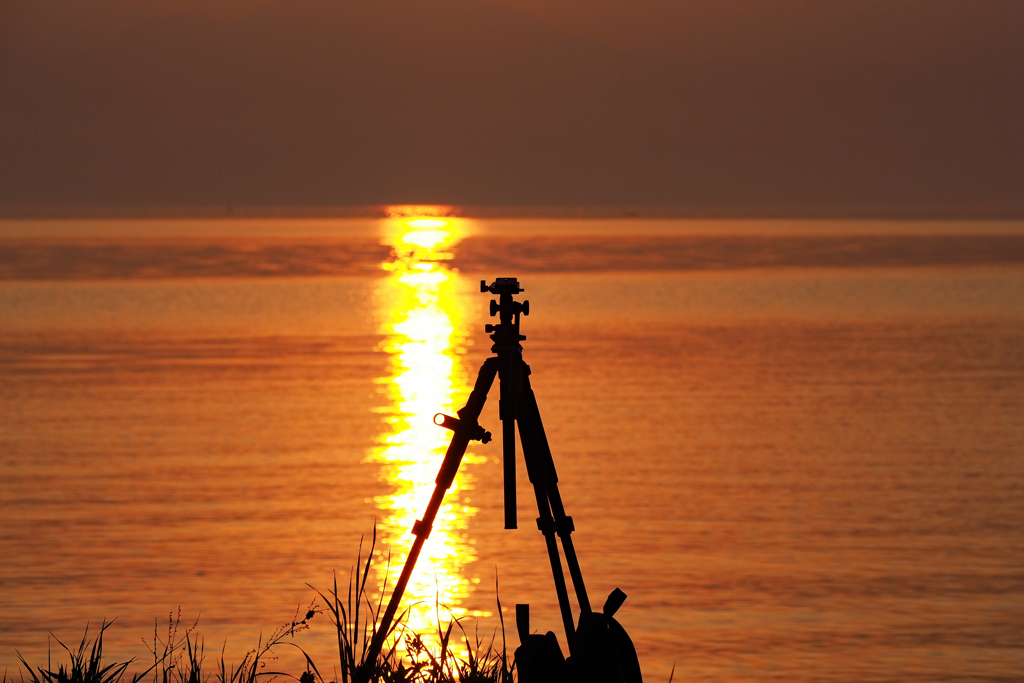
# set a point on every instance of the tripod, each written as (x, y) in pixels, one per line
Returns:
(517, 406)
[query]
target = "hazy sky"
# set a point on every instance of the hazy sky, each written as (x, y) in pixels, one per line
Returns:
(835, 105)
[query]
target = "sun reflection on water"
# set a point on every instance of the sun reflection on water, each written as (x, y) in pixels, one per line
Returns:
(423, 314)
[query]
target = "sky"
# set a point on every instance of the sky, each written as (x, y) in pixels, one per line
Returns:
(830, 107)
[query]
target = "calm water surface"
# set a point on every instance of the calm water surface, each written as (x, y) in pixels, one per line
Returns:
(798, 449)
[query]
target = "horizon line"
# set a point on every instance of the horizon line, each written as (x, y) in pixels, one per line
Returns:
(627, 212)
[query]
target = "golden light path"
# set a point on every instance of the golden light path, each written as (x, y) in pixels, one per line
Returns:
(423, 323)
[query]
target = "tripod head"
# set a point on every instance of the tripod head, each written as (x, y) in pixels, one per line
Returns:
(502, 285)
(505, 334)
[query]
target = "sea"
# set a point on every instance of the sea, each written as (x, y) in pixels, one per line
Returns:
(796, 445)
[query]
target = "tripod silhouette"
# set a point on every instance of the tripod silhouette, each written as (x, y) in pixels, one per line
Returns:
(589, 644)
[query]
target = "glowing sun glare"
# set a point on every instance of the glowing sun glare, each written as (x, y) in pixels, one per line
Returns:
(422, 313)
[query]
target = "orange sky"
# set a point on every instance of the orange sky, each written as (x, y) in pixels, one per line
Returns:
(829, 105)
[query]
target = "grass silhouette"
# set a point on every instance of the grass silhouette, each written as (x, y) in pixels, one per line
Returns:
(355, 618)
(179, 653)
(85, 664)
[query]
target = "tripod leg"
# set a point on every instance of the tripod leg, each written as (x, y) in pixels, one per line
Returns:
(530, 414)
(546, 524)
(421, 529)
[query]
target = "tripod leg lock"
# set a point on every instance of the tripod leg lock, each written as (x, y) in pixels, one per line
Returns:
(420, 529)
(563, 526)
